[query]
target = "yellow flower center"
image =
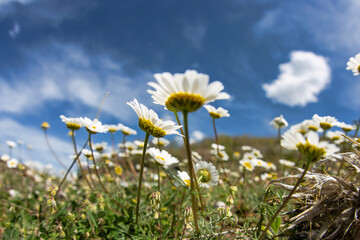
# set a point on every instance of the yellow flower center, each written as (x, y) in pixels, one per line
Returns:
(184, 102)
(161, 158)
(112, 130)
(325, 125)
(313, 128)
(358, 68)
(215, 115)
(45, 125)
(335, 138)
(311, 151)
(118, 170)
(149, 127)
(248, 165)
(73, 126)
(204, 175)
(187, 182)
(345, 129)
(259, 163)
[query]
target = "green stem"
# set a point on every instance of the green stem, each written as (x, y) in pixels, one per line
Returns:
(217, 147)
(196, 181)
(141, 176)
(79, 162)
(286, 199)
(68, 171)
(97, 173)
(192, 175)
(158, 173)
(52, 150)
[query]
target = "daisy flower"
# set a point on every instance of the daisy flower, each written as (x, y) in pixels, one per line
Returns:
(126, 130)
(12, 163)
(139, 144)
(335, 136)
(72, 123)
(149, 121)
(247, 164)
(100, 146)
(206, 174)
(345, 127)
(326, 122)
(246, 148)
(286, 163)
(184, 176)
(45, 125)
(162, 157)
(308, 145)
(112, 128)
(94, 126)
(162, 142)
(279, 122)
(354, 64)
(5, 157)
(185, 92)
(216, 113)
(11, 144)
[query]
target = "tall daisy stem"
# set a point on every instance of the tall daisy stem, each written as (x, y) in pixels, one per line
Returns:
(196, 181)
(68, 171)
(141, 176)
(79, 162)
(217, 148)
(192, 175)
(286, 199)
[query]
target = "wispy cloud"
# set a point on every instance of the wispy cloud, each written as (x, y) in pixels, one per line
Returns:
(332, 25)
(300, 80)
(73, 76)
(15, 30)
(195, 34)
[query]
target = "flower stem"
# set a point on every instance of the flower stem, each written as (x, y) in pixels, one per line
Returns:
(79, 162)
(192, 175)
(68, 171)
(286, 199)
(141, 176)
(51, 150)
(196, 181)
(217, 148)
(97, 173)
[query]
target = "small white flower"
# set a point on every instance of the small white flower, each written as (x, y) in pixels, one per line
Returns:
(100, 146)
(12, 163)
(270, 166)
(139, 144)
(216, 112)
(286, 163)
(11, 144)
(5, 157)
(354, 64)
(279, 122)
(94, 126)
(150, 122)
(162, 157)
(73, 123)
(345, 127)
(335, 136)
(325, 122)
(184, 176)
(246, 148)
(162, 142)
(112, 127)
(206, 174)
(256, 153)
(126, 130)
(247, 164)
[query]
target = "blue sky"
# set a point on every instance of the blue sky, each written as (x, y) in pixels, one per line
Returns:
(274, 57)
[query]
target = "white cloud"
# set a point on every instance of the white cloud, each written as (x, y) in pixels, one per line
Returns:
(15, 30)
(67, 73)
(195, 33)
(300, 80)
(197, 136)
